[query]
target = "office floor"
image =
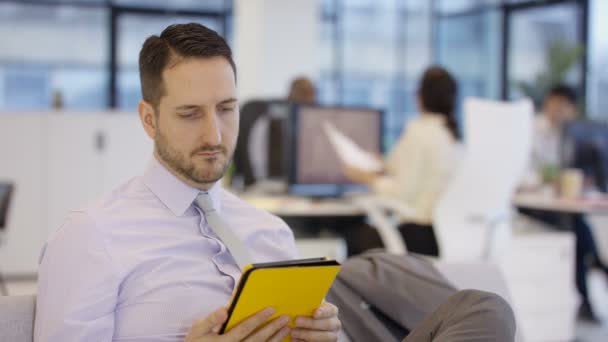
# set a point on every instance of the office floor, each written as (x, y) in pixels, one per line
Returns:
(585, 332)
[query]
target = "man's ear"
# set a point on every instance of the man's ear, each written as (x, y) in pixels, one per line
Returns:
(147, 117)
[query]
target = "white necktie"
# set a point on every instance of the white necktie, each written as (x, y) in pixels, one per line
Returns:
(221, 229)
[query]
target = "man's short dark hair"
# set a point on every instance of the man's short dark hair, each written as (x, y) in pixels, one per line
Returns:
(176, 41)
(564, 91)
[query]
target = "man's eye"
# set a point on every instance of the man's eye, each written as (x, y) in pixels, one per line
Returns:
(187, 114)
(226, 109)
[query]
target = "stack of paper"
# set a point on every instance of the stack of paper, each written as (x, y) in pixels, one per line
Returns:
(349, 152)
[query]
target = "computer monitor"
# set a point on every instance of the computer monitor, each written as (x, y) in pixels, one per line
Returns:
(585, 147)
(314, 168)
(6, 192)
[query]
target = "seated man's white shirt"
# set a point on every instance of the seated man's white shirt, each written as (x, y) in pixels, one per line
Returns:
(546, 144)
(143, 265)
(546, 147)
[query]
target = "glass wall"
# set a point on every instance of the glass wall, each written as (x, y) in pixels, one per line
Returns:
(82, 54)
(597, 81)
(511, 48)
(468, 43)
(53, 53)
(544, 48)
(372, 55)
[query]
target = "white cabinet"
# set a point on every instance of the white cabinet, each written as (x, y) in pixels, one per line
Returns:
(22, 161)
(60, 162)
(74, 164)
(127, 149)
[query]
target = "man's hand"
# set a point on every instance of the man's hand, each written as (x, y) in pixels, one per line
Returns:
(251, 330)
(323, 326)
(359, 176)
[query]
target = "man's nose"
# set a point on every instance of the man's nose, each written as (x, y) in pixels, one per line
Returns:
(212, 129)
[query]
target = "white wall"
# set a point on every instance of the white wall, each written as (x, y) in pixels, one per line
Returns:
(22, 160)
(57, 165)
(274, 41)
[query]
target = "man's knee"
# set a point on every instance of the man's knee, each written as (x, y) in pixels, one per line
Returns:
(468, 315)
(482, 300)
(491, 308)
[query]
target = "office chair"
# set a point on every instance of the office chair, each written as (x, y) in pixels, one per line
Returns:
(475, 229)
(260, 150)
(6, 193)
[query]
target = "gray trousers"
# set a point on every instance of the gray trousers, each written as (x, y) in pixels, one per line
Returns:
(468, 315)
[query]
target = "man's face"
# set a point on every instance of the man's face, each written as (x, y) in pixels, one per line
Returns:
(196, 126)
(559, 109)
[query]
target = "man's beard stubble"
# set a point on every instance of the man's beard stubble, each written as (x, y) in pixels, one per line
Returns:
(186, 167)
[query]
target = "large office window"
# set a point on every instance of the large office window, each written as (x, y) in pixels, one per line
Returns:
(82, 54)
(467, 43)
(511, 48)
(597, 81)
(53, 53)
(372, 54)
(545, 47)
(172, 5)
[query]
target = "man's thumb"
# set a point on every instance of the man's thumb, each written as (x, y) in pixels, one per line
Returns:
(210, 323)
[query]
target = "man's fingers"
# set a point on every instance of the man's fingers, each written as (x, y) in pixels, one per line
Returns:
(207, 324)
(326, 310)
(271, 331)
(325, 324)
(314, 335)
(246, 327)
(280, 335)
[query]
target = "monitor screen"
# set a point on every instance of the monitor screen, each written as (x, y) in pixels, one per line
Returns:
(314, 166)
(585, 146)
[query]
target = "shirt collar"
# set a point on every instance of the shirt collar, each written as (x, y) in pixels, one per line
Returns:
(173, 192)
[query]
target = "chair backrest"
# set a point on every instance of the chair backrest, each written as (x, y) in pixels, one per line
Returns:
(498, 142)
(6, 194)
(260, 150)
(17, 318)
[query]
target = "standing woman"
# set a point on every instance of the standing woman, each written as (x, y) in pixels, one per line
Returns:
(418, 168)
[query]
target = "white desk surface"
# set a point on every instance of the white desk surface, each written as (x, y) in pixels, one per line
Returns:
(302, 206)
(539, 201)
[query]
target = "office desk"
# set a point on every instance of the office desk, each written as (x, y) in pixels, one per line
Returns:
(539, 201)
(292, 206)
(312, 218)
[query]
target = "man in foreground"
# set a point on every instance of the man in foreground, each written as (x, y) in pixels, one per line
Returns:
(149, 261)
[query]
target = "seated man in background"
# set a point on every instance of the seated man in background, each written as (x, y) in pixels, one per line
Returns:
(302, 91)
(559, 107)
(150, 261)
(419, 166)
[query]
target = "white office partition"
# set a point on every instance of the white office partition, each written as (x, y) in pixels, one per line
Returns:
(73, 162)
(126, 149)
(60, 162)
(22, 161)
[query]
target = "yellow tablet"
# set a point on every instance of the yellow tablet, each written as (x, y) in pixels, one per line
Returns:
(294, 288)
